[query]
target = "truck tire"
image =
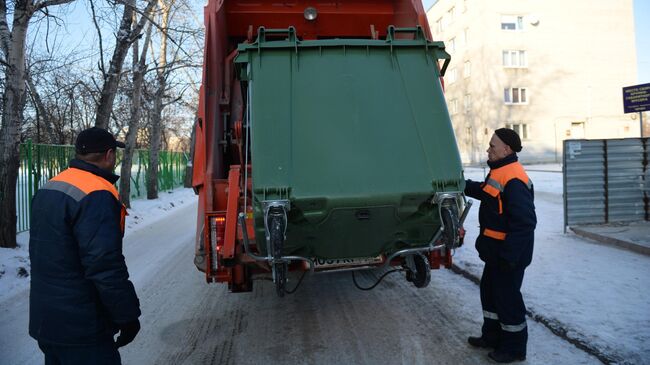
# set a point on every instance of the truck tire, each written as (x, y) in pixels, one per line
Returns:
(276, 230)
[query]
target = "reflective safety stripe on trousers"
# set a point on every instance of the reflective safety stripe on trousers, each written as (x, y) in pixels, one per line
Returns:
(513, 327)
(505, 327)
(490, 315)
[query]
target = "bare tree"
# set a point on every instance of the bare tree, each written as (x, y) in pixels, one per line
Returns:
(126, 35)
(156, 124)
(12, 44)
(139, 70)
(42, 114)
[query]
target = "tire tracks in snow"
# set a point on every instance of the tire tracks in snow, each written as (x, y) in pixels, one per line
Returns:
(556, 327)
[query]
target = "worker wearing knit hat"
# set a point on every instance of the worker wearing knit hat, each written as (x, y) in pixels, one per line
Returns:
(504, 142)
(509, 137)
(505, 243)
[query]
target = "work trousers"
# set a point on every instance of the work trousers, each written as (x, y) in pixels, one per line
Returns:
(99, 354)
(504, 311)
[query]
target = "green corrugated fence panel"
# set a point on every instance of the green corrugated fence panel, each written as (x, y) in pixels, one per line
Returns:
(40, 162)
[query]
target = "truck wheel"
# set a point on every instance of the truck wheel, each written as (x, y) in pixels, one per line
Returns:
(280, 279)
(276, 230)
(450, 223)
(422, 275)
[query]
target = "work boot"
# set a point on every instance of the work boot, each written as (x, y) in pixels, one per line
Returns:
(480, 342)
(503, 357)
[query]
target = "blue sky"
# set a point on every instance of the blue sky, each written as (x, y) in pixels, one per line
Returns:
(642, 27)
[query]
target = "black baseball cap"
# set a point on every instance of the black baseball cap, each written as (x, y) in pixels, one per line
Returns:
(96, 139)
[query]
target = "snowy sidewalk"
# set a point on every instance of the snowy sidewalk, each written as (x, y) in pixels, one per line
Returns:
(633, 236)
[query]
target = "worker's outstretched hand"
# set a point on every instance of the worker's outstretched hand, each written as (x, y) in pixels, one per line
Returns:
(127, 333)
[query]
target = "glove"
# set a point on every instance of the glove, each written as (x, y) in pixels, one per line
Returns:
(128, 331)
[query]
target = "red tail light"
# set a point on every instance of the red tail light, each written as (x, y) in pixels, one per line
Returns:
(217, 232)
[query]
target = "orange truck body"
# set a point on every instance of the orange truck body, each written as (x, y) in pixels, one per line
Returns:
(217, 159)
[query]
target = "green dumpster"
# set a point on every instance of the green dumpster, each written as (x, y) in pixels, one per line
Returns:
(355, 134)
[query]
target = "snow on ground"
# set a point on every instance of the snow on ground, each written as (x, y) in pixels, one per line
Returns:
(600, 293)
(14, 263)
(14, 267)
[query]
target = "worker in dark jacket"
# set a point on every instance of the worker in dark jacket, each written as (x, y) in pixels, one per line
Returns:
(507, 223)
(81, 295)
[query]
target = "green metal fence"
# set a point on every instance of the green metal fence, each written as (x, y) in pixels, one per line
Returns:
(40, 162)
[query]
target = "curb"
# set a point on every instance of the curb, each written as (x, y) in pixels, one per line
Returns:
(557, 328)
(630, 246)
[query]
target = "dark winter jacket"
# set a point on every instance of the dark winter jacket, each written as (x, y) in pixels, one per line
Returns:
(80, 288)
(507, 214)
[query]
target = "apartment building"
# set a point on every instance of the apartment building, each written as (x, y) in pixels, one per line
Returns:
(552, 70)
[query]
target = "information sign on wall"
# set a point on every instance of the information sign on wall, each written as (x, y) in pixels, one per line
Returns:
(636, 98)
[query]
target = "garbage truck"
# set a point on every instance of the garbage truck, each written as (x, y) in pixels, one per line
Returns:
(323, 144)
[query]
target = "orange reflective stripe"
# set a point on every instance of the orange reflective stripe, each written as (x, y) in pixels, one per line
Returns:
(500, 177)
(491, 190)
(123, 214)
(500, 204)
(85, 181)
(494, 234)
(508, 172)
(88, 182)
(490, 181)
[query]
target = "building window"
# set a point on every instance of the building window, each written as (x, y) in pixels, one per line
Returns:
(453, 106)
(512, 22)
(452, 75)
(467, 69)
(451, 13)
(439, 25)
(515, 95)
(520, 128)
(467, 103)
(514, 58)
(451, 45)
(466, 37)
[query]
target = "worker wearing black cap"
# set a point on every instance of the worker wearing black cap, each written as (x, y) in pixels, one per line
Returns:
(507, 223)
(80, 294)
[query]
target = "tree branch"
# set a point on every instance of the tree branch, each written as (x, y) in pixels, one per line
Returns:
(135, 32)
(5, 34)
(44, 4)
(145, 17)
(174, 100)
(101, 46)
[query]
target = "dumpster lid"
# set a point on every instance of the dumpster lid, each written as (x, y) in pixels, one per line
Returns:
(395, 38)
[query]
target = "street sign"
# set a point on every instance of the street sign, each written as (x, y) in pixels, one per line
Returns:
(636, 98)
